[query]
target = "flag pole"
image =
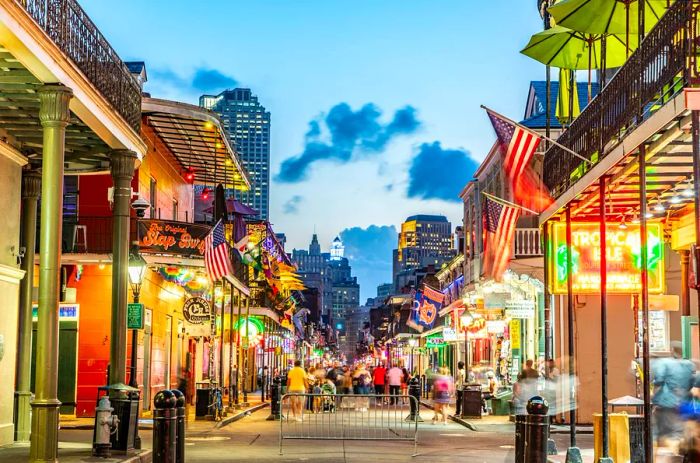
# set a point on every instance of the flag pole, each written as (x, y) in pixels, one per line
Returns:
(552, 141)
(503, 201)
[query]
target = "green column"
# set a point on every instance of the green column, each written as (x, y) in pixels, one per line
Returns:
(122, 168)
(31, 186)
(54, 115)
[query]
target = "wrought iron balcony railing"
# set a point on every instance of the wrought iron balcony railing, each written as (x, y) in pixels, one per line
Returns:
(660, 68)
(70, 28)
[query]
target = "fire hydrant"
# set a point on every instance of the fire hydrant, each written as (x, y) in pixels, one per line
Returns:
(105, 425)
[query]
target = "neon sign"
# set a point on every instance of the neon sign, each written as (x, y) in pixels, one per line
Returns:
(624, 258)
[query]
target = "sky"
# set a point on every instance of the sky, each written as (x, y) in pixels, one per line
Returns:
(374, 103)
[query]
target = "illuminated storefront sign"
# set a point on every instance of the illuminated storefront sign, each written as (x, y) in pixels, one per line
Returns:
(623, 258)
(160, 236)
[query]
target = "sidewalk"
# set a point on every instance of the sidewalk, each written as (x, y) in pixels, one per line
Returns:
(74, 452)
(487, 423)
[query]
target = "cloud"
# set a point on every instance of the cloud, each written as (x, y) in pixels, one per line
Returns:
(438, 173)
(350, 134)
(292, 204)
(201, 80)
(369, 251)
(211, 80)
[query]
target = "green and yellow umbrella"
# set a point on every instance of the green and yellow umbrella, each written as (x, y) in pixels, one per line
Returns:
(563, 48)
(608, 16)
(568, 107)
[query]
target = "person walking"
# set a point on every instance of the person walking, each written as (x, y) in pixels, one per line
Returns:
(297, 383)
(379, 379)
(460, 382)
(443, 387)
(394, 377)
(364, 380)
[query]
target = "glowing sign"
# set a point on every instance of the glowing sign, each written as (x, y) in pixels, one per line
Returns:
(623, 258)
(254, 327)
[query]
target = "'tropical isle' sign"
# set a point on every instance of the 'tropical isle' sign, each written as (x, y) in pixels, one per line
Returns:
(624, 258)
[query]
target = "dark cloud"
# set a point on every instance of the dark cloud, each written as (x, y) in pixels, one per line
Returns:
(351, 133)
(211, 80)
(292, 204)
(369, 251)
(202, 80)
(438, 173)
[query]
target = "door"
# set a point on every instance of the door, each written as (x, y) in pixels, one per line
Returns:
(67, 364)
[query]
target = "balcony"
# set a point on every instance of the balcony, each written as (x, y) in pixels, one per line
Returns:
(658, 71)
(527, 243)
(70, 28)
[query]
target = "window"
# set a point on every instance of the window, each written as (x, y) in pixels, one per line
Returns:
(152, 195)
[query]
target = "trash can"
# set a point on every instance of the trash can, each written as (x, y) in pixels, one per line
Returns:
(202, 400)
(471, 401)
(125, 402)
(500, 403)
(619, 437)
(636, 430)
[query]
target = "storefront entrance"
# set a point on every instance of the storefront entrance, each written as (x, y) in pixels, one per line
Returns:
(67, 364)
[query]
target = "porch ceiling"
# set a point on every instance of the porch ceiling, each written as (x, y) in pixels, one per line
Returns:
(669, 180)
(20, 126)
(197, 139)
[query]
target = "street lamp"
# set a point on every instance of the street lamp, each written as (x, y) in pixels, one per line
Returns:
(137, 268)
(465, 320)
(413, 342)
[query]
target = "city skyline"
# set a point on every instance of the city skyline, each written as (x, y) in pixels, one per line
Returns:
(373, 125)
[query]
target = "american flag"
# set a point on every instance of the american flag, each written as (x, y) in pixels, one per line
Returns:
(517, 145)
(499, 225)
(216, 258)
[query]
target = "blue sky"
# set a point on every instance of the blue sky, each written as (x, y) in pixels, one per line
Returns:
(375, 103)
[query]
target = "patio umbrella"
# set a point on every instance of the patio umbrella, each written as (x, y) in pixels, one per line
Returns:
(568, 107)
(564, 48)
(608, 16)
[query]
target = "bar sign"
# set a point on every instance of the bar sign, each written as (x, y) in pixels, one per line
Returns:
(134, 316)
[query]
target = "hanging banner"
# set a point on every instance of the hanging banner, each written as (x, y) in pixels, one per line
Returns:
(515, 333)
(623, 258)
(164, 237)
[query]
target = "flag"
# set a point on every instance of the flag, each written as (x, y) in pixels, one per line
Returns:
(499, 226)
(433, 294)
(216, 258)
(426, 306)
(517, 144)
(529, 191)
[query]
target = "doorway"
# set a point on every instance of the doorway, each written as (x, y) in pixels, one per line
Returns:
(67, 364)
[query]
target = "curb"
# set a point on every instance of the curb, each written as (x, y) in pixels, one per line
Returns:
(147, 426)
(146, 456)
(239, 415)
(457, 420)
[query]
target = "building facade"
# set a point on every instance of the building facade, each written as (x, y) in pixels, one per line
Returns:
(248, 124)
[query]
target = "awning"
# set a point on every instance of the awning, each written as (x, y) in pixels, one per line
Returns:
(198, 140)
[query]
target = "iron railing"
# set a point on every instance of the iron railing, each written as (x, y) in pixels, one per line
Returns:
(70, 28)
(658, 70)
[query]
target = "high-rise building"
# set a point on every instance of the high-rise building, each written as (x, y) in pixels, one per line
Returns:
(314, 269)
(424, 240)
(248, 125)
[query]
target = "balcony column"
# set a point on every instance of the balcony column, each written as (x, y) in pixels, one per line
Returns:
(31, 186)
(54, 115)
(122, 169)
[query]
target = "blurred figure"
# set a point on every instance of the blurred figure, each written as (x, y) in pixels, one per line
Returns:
(362, 380)
(490, 392)
(443, 388)
(379, 379)
(297, 383)
(346, 381)
(525, 387)
(673, 377)
(394, 377)
(690, 411)
(460, 382)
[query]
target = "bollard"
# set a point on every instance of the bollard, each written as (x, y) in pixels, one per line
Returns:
(414, 391)
(164, 427)
(275, 396)
(520, 438)
(180, 426)
(536, 430)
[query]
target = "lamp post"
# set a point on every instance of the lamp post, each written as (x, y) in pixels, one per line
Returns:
(464, 321)
(412, 342)
(137, 268)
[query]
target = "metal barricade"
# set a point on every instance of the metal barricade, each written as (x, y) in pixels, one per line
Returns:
(348, 417)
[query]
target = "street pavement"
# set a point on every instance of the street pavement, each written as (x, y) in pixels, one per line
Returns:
(254, 439)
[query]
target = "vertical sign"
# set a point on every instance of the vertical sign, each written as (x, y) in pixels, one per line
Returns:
(515, 333)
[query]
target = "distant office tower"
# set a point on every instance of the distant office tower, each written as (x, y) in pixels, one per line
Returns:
(424, 240)
(248, 125)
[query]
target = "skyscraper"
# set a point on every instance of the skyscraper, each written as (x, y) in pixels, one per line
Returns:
(424, 240)
(248, 125)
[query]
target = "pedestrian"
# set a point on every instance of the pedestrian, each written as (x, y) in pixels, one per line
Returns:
(525, 387)
(460, 382)
(379, 379)
(490, 392)
(394, 377)
(404, 383)
(443, 388)
(363, 380)
(297, 383)
(347, 381)
(673, 377)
